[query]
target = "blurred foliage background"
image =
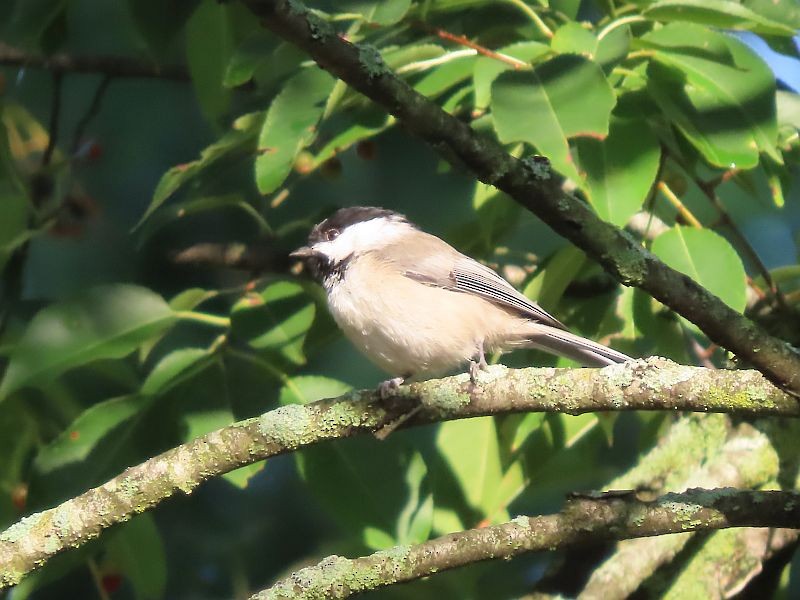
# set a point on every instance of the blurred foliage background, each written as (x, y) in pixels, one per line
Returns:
(147, 296)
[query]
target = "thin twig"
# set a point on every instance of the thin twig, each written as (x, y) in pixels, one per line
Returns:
(55, 119)
(584, 520)
(673, 199)
(533, 16)
(117, 66)
(464, 41)
(91, 112)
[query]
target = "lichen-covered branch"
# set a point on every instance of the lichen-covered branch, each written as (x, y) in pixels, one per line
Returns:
(651, 384)
(114, 66)
(741, 457)
(583, 521)
(531, 183)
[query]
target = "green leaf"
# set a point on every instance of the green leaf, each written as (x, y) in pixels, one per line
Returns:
(290, 125)
(276, 320)
(487, 69)
(442, 78)
(548, 286)
(401, 56)
(135, 550)
(241, 138)
(377, 490)
(717, 92)
(496, 215)
(564, 97)
(620, 170)
(613, 48)
(569, 8)
(103, 421)
(159, 22)
(247, 58)
(309, 388)
(786, 12)
(572, 38)
(31, 19)
(194, 206)
(15, 202)
(471, 451)
(722, 14)
(175, 367)
(707, 258)
(416, 519)
(104, 322)
(191, 298)
(210, 42)
(788, 105)
(357, 126)
(382, 12)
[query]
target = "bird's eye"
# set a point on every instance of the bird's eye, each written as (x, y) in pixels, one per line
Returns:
(331, 234)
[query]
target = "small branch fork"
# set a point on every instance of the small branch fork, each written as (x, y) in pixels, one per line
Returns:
(652, 384)
(584, 520)
(114, 66)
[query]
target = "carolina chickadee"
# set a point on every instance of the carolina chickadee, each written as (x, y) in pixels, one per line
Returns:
(418, 308)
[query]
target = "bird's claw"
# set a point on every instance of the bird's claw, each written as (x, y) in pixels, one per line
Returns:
(386, 387)
(477, 365)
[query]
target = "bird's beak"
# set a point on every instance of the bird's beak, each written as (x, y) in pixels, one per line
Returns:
(303, 252)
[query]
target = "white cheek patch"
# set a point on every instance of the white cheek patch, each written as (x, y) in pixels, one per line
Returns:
(365, 236)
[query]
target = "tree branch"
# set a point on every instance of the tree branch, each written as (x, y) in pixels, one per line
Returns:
(652, 384)
(116, 66)
(583, 521)
(531, 183)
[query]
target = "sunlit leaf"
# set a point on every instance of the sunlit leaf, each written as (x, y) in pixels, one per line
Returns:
(723, 14)
(275, 320)
(619, 170)
(549, 284)
(707, 258)
(376, 489)
(382, 12)
(175, 367)
(103, 322)
(717, 92)
(290, 125)
(16, 205)
(416, 519)
(444, 77)
(105, 420)
(241, 138)
(564, 97)
(210, 42)
(470, 448)
(571, 38)
(487, 69)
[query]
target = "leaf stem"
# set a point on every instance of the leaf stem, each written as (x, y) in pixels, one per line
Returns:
(680, 206)
(619, 23)
(205, 318)
(537, 20)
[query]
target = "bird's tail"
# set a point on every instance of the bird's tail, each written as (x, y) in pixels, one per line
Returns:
(566, 344)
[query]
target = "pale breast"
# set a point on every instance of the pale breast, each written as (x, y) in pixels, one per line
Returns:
(408, 328)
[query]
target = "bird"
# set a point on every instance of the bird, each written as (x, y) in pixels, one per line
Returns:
(418, 308)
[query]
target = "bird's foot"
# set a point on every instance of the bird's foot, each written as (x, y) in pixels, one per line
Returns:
(384, 390)
(386, 387)
(477, 365)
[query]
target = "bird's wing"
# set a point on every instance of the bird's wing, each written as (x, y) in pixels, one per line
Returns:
(435, 262)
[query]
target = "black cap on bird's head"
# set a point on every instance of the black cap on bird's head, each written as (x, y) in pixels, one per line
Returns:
(345, 217)
(366, 227)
